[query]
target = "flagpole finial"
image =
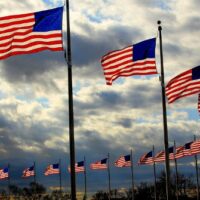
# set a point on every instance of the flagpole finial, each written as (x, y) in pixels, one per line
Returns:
(159, 22)
(159, 25)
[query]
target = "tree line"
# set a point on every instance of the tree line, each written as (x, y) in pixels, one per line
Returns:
(144, 191)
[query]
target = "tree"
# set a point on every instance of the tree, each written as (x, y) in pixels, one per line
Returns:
(144, 191)
(100, 195)
(16, 191)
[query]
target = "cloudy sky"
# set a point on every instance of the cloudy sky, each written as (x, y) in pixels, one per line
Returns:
(114, 119)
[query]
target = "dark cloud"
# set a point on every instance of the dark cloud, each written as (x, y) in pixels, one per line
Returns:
(173, 49)
(27, 68)
(125, 122)
(110, 98)
(138, 97)
(4, 123)
(192, 24)
(154, 3)
(17, 134)
(195, 3)
(89, 49)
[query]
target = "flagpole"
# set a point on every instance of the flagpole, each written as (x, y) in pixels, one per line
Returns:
(132, 177)
(167, 168)
(71, 112)
(154, 173)
(176, 171)
(34, 173)
(197, 173)
(60, 178)
(109, 193)
(85, 173)
(8, 181)
(34, 179)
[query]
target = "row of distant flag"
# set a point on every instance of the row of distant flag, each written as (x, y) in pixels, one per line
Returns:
(34, 32)
(123, 161)
(188, 149)
(30, 171)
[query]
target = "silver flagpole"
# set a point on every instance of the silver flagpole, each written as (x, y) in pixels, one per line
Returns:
(9, 180)
(176, 170)
(109, 187)
(132, 177)
(197, 173)
(154, 173)
(71, 110)
(34, 179)
(60, 178)
(167, 167)
(85, 179)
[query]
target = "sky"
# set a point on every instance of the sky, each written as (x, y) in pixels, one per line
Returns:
(108, 119)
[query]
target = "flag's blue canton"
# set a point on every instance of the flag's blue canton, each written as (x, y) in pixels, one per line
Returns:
(144, 49)
(49, 20)
(80, 164)
(148, 155)
(104, 161)
(31, 168)
(5, 170)
(55, 166)
(187, 145)
(127, 158)
(196, 73)
(171, 149)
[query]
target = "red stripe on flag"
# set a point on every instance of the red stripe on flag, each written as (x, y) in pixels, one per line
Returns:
(17, 22)
(146, 160)
(98, 165)
(15, 16)
(121, 162)
(32, 44)
(50, 170)
(32, 51)
(14, 31)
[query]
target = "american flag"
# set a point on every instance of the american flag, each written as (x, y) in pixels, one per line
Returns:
(123, 161)
(171, 153)
(199, 103)
(185, 84)
(31, 33)
(4, 173)
(187, 151)
(137, 59)
(195, 147)
(147, 158)
(79, 167)
(102, 164)
(28, 172)
(179, 152)
(160, 156)
(52, 169)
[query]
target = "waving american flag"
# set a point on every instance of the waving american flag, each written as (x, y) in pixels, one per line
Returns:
(31, 33)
